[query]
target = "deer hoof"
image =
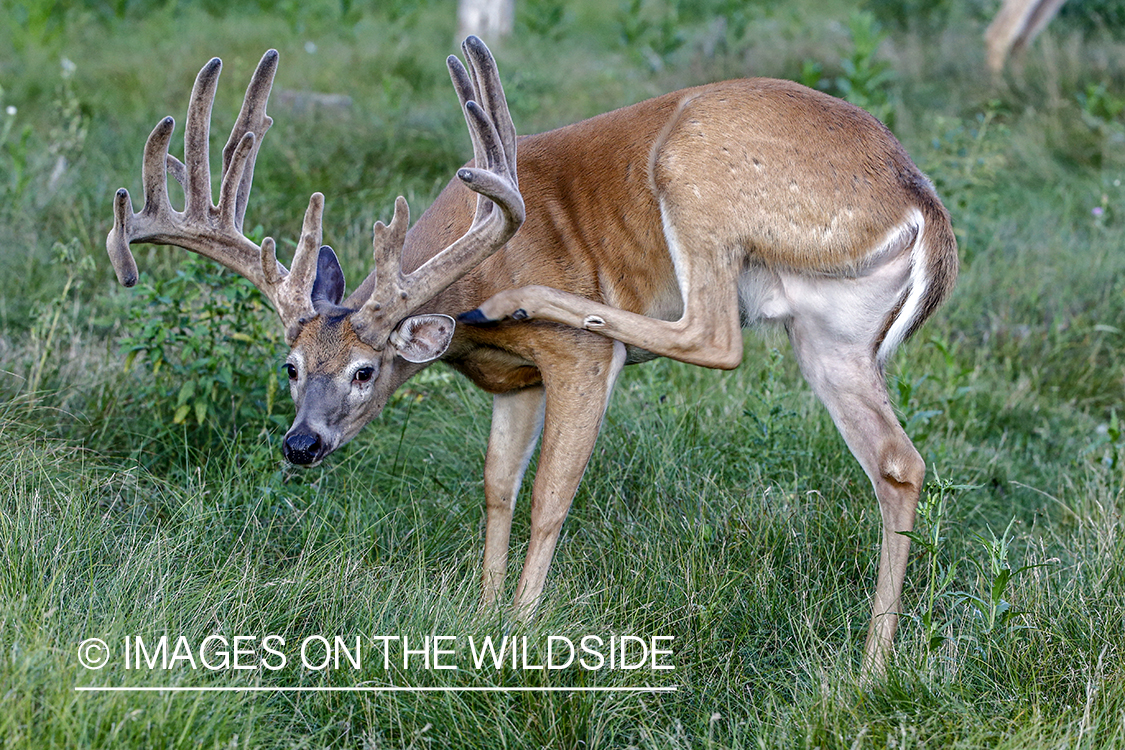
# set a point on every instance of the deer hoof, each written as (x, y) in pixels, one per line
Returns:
(476, 318)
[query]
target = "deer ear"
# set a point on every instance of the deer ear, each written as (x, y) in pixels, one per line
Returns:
(423, 338)
(329, 283)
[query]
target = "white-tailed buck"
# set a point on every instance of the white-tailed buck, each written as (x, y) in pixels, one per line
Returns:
(660, 229)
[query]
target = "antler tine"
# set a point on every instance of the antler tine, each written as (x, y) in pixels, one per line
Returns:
(493, 179)
(251, 119)
(128, 226)
(117, 243)
(490, 95)
(379, 311)
(466, 92)
(231, 184)
(196, 139)
(387, 242)
(395, 296)
(481, 84)
(154, 169)
(216, 231)
(294, 296)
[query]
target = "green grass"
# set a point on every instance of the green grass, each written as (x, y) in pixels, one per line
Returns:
(719, 508)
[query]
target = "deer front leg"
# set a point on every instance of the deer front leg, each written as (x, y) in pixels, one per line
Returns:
(517, 421)
(577, 396)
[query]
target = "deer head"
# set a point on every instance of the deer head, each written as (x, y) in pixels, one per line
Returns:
(348, 356)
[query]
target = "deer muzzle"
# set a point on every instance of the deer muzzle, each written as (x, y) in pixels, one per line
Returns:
(302, 448)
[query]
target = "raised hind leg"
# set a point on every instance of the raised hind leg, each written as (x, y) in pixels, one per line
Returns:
(708, 334)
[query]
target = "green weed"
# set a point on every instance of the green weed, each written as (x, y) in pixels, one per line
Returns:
(544, 18)
(201, 345)
(49, 322)
(940, 573)
(993, 615)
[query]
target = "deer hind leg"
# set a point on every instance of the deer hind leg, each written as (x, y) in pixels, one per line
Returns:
(851, 384)
(578, 394)
(517, 421)
(708, 334)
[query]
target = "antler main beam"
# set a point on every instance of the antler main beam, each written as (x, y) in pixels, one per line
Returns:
(215, 231)
(500, 208)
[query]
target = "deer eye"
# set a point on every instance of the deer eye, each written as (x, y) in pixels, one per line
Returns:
(363, 374)
(291, 371)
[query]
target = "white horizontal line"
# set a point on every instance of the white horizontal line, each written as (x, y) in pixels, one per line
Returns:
(368, 689)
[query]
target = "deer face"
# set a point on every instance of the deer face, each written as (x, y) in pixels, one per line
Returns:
(340, 382)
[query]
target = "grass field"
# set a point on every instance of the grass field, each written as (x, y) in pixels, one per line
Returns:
(143, 493)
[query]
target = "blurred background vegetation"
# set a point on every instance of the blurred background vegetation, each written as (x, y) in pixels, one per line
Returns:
(139, 428)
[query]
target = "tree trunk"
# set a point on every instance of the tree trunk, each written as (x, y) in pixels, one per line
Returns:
(491, 20)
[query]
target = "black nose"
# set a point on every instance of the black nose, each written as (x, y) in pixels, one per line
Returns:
(301, 448)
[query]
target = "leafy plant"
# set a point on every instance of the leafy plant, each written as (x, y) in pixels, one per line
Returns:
(929, 537)
(935, 392)
(68, 130)
(918, 417)
(397, 10)
(774, 421)
(993, 613)
(28, 162)
(1109, 445)
(732, 16)
(544, 18)
(967, 154)
(47, 321)
(1099, 105)
(8, 115)
(923, 15)
(15, 153)
(35, 22)
(1094, 16)
(203, 340)
(1101, 113)
(812, 74)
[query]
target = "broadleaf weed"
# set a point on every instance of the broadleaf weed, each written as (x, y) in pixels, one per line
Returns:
(991, 613)
(929, 535)
(203, 340)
